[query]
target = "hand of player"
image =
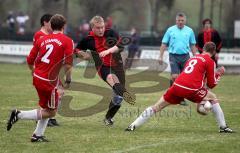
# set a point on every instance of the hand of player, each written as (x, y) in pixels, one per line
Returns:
(160, 61)
(104, 53)
(66, 84)
(221, 70)
(60, 90)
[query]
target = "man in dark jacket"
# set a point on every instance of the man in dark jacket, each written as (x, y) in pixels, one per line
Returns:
(209, 34)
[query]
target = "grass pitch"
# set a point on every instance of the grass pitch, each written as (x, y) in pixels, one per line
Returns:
(178, 129)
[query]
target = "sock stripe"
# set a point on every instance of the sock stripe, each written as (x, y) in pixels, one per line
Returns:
(39, 114)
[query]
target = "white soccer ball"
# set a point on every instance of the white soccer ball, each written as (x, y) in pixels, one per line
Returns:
(204, 107)
(208, 106)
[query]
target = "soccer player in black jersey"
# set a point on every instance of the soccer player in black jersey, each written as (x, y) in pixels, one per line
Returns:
(105, 46)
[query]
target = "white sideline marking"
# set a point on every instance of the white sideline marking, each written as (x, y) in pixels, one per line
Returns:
(165, 141)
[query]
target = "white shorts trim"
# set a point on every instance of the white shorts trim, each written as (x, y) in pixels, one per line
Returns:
(43, 78)
(185, 87)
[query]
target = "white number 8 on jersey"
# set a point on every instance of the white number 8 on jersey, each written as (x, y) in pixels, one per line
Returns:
(190, 66)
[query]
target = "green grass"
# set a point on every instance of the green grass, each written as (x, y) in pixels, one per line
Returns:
(177, 129)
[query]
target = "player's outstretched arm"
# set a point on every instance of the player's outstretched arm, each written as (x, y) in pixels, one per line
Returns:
(83, 55)
(113, 49)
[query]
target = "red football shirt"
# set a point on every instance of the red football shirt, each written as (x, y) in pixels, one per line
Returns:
(49, 54)
(39, 34)
(196, 71)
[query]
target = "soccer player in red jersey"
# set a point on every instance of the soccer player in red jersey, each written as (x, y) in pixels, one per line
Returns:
(48, 55)
(105, 46)
(45, 30)
(190, 84)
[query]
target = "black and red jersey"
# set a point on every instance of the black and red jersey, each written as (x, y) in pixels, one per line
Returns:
(206, 36)
(98, 44)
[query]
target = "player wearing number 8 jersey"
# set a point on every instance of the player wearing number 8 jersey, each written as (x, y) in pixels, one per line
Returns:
(190, 84)
(196, 70)
(48, 55)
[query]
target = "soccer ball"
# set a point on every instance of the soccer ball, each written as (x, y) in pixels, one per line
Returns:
(204, 107)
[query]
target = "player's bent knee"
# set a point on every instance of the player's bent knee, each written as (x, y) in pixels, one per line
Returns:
(110, 77)
(211, 95)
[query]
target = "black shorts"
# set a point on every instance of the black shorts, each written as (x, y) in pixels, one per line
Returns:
(104, 71)
(177, 62)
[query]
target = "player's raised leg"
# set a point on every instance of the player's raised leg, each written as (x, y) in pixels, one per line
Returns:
(119, 89)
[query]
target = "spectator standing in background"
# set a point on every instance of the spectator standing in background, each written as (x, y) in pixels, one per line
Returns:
(11, 22)
(83, 29)
(133, 48)
(109, 23)
(209, 34)
(21, 21)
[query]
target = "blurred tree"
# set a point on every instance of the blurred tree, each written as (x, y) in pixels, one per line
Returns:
(96, 7)
(136, 12)
(34, 8)
(65, 10)
(201, 12)
(212, 3)
(155, 7)
(5, 8)
(53, 6)
(2, 10)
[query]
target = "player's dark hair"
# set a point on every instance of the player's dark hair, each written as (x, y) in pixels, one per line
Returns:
(45, 18)
(57, 22)
(210, 47)
(206, 20)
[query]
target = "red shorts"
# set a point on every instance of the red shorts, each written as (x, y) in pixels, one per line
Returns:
(176, 94)
(47, 93)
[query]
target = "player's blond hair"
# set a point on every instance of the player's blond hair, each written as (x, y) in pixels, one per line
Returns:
(96, 19)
